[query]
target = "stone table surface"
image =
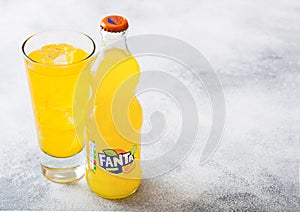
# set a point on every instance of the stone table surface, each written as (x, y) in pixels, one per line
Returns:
(254, 46)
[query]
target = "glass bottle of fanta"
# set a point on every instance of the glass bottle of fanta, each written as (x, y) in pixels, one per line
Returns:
(114, 116)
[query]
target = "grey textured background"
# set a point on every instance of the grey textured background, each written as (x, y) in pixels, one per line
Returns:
(255, 48)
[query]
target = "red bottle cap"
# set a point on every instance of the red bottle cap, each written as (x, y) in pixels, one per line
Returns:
(114, 23)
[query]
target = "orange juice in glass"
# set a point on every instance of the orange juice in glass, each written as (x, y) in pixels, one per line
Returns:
(54, 61)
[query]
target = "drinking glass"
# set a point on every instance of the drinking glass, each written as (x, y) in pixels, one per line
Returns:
(54, 61)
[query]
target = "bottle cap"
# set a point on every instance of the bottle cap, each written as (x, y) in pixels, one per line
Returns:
(114, 23)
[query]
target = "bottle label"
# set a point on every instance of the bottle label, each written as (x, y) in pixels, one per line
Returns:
(116, 161)
(93, 155)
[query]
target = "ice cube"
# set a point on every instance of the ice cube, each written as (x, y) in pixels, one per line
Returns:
(69, 118)
(57, 53)
(61, 59)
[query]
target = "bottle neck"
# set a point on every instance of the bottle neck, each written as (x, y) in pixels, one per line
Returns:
(114, 40)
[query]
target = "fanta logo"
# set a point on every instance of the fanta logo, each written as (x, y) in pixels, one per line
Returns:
(117, 160)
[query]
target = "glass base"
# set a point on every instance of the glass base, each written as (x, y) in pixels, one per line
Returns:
(95, 188)
(116, 197)
(63, 170)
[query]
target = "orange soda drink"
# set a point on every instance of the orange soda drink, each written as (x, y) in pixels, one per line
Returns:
(114, 117)
(52, 91)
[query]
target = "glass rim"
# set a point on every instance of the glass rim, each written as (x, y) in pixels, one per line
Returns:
(58, 65)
